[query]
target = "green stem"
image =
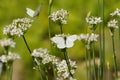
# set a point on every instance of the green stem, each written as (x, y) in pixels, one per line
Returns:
(9, 71)
(49, 31)
(49, 22)
(89, 59)
(54, 71)
(108, 74)
(61, 30)
(39, 68)
(34, 59)
(119, 29)
(114, 56)
(103, 45)
(98, 72)
(94, 60)
(26, 44)
(100, 46)
(86, 57)
(68, 62)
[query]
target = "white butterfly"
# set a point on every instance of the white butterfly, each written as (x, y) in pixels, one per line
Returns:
(64, 41)
(33, 13)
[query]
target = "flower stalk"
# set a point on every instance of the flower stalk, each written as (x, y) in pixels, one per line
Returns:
(114, 57)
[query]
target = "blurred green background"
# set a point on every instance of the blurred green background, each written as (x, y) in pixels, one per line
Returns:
(37, 35)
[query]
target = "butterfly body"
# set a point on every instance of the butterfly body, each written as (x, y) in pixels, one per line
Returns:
(64, 41)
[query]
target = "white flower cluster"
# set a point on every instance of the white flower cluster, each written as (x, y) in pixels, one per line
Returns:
(113, 24)
(62, 70)
(10, 57)
(88, 38)
(93, 20)
(44, 54)
(7, 42)
(18, 27)
(116, 12)
(59, 16)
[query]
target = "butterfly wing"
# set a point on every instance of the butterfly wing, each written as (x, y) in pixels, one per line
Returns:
(37, 11)
(60, 42)
(30, 12)
(70, 40)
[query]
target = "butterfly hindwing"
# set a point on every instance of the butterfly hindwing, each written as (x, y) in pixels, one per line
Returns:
(37, 11)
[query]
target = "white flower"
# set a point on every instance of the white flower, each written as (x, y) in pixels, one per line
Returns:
(88, 38)
(7, 42)
(59, 16)
(93, 37)
(18, 27)
(72, 78)
(93, 20)
(10, 57)
(113, 24)
(64, 41)
(116, 12)
(40, 52)
(44, 55)
(83, 36)
(62, 69)
(3, 58)
(47, 58)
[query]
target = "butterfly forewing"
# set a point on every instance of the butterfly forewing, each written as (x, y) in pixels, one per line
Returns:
(70, 40)
(59, 40)
(30, 12)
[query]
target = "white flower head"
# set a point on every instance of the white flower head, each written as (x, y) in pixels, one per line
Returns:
(18, 27)
(62, 69)
(88, 38)
(40, 52)
(93, 20)
(115, 12)
(7, 42)
(113, 24)
(44, 55)
(10, 57)
(48, 58)
(3, 58)
(59, 16)
(64, 41)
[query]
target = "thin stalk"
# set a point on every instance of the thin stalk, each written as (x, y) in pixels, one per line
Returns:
(108, 67)
(9, 71)
(68, 62)
(119, 29)
(89, 59)
(114, 56)
(98, 72)
(103, 45)
(54, 71)
(46, 73)
(49, 31)
(34, 59)
(26, 44)
(86, 59)
(93, 51)
(61, 30)
(100, 46)
(39, 69)
(49, 22)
